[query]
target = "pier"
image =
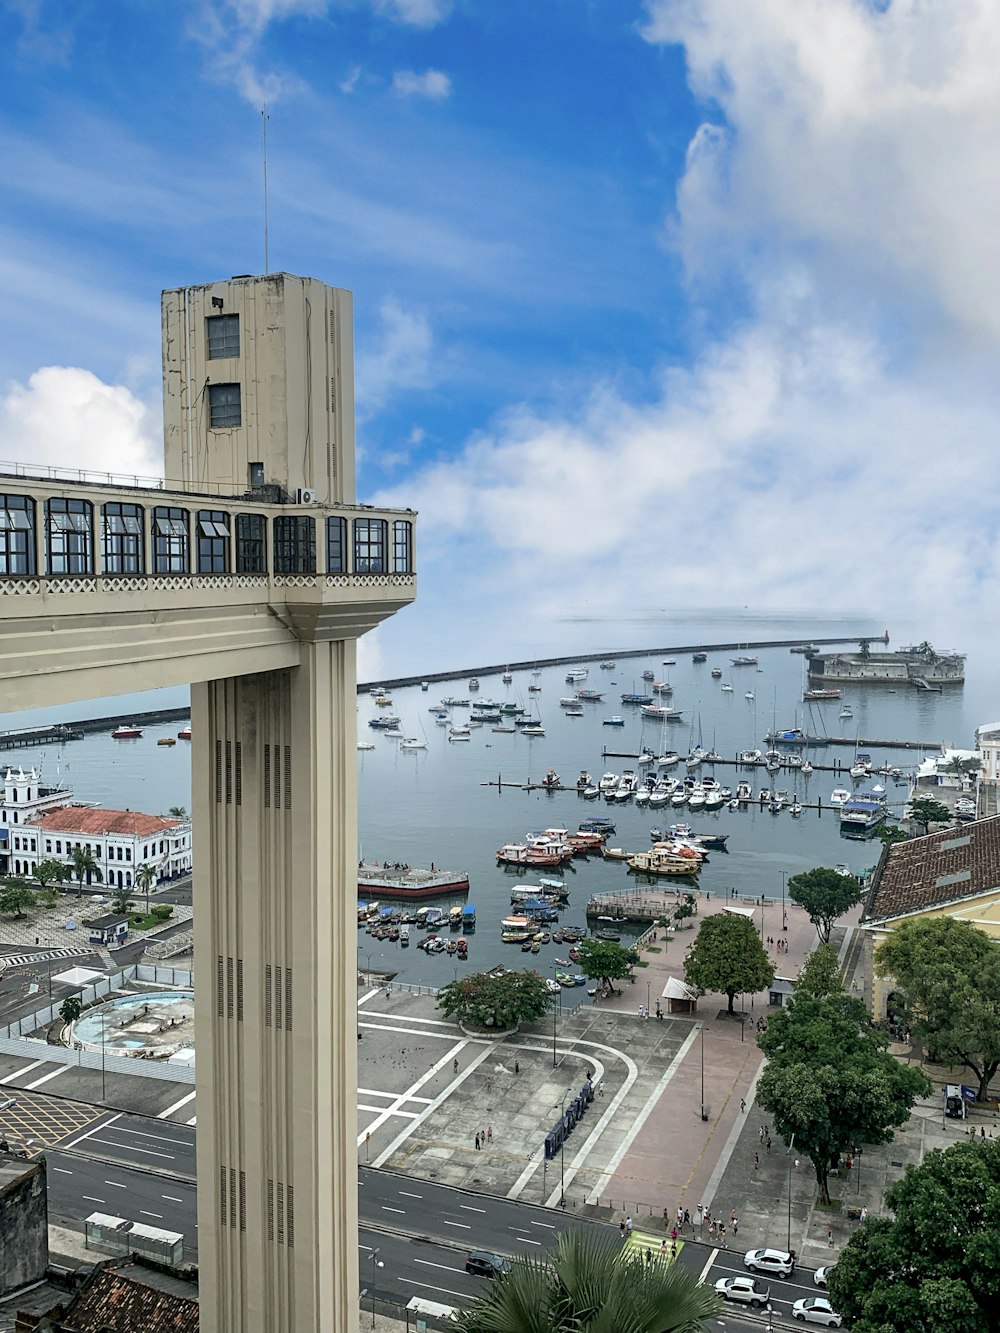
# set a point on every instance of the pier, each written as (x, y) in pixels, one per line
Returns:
(60, 732)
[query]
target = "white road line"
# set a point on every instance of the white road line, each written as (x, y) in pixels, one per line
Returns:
(730, 1144)
(526, 1240)
(444, 1291)
(383, 1111)
(410, 1032)
(549, 1226)
(192, 1121)
(94, 1129)
(165, 1115)
(172, 1197)
(160, 1138)
(387, 1209)
(451, 1055)
(25, 1069)
(409, 1195)
(470, 1209)
(91, 1198)
(62, 1170)
(146, 1213)
(368, 995)
(148, 1152)
(447, 1268)
(428, 1110)
(708, 1266)
(116, 1184)
(375, 1092)
(53, 1073)
(464, 1225)
(637, 1123)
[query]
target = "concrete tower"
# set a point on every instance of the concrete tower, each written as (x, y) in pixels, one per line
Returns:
(248, 574)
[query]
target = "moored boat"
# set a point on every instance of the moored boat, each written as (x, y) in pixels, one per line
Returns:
(404, 881)
(126, 732)
(184, 734)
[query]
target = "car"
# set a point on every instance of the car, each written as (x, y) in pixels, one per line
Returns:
(744, 1289)
(486, 1264)
(816, 1310)
(819, 1277)
(779, 1262)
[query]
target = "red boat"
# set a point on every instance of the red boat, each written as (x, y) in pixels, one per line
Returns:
(126, 733)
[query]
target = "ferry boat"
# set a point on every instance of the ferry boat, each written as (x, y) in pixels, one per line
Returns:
(590, 696)
(577, 673)
(616, 721)
(744, 661)
(660, 713)
(474, 683)
(184, 734)
(819, 695)
(405, 881)
(126, 732)
(634, 698)
(507, 677)
(862, 812)
(699, 657)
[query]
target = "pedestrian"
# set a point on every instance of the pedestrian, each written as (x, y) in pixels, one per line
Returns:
(477, 1142)
(455, 1065)
(982, 1131)
(743, 1103)
(767, 1143)
(663, 1245)
(649, 1255)
(673, 1250)
(628, 1226)
(760, 1133)
(756, 1160)
(711, 1229)
(600, 1088)
(829, 1235)
(736, 1225)
(489, 1134)
(687, 1217)
(517, 1066)
(722, 1234)
(489, 1085)
(732, 1217)
(621, 1227)
(864, 1214)
(673, 1233)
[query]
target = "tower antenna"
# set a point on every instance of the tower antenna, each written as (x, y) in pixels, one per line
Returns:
(264, 120)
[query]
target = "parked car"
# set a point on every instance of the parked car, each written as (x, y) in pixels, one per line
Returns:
(487, 1264)
(816, 1310)
(780, 1263)
(744, 1289)
(819, 1277)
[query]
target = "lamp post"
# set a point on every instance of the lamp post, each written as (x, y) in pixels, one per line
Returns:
(555, 999)
(369, 958)
(376, 1264)
(703, 1115)
(562, 1151)
(788, 1154)
(857, 1153)
(784, 920)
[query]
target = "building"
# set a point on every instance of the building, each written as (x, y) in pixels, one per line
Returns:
(115, 1298)
(24, 1222)
(43, 824)
(108, 932)
(248, 573)
(915, 666)
(955, 873)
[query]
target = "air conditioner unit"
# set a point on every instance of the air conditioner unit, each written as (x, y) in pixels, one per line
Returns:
(305, 495)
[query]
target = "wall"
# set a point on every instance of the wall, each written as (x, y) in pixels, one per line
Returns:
(24, 1220)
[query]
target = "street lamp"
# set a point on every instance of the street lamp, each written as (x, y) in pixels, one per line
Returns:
(788, 1154)
(857, 1153)
(784, 919)
(555, 998)
(704, 1114)
(562, 1151)
(376, 1263)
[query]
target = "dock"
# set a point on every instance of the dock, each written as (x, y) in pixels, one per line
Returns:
(60, 732)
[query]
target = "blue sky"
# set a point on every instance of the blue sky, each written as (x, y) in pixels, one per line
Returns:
(684, 301)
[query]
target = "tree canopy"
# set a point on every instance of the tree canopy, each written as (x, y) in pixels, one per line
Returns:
(936, 1263)
(829, 1081)
(891, 833)
(925, 811)
(51, 871)
(586, 1285)
(826, 895)
(603, 960)
(820, 973)
(84, 866)
(949, 973)
(71, 1009)
(728, 956)
(15, 898)
(488, 1001)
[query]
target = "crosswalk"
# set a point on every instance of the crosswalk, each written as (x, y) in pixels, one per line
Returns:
(649, 1247)
(10, 960)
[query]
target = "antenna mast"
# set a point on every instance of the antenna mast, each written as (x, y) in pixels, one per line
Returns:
(264, 120)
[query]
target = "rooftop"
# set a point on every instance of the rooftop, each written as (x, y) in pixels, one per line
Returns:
(126, 823)
(117, 1302)
(940, 868)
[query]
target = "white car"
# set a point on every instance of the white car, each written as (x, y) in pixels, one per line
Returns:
(816, 1310)
(819, 1277)
(778, 1262)
(743, 1289)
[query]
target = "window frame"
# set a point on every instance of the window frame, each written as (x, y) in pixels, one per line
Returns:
(69, 544)
(251, 547)
(219, 348)
(337, 548)
(402, 546)
(294, 544)
(171, 549)
(213, 542)
(371, 539)
(123, 553)
(18, 554)
(221, 400)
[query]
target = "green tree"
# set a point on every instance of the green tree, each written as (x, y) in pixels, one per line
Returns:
(487, 1001)
(15, 898)
(728, 956)
(121, 899)
(178, 812)
(962, 768)
(603, 960)
(586, 1285)
(933, 1265)
(71, 1009)
(51, 872)
(826, 895)
(84, 868)
(145, 878)
(949, 972)
(829, 1081)
(864, 650)
(925, 810)
(820, 973)
(890, 833)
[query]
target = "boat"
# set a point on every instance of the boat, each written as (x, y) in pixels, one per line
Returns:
(460, 733)
(404, 937)
(663, 688)
(663, 863)
(454, 703)
(616, 721)
(513, 853)
(534, 689)
(533, 729)
(590, 793)
(846, 712)
(670, 661)
(593, 824)
(425, 685)
(751, 757)
(839, 795)
(412, 743)
(126, 732)
(590, 696)
(609, 782)
(744, 661)
(507, 731)
(609, 935)
(574, 711)
(660, 713)
(647, 674)
(507, 677)
(668, 759)
(819, 695)
(608, 666)
(366, 745)
(387, 722)
(633, 697)
(474, 683)
(749, 695)
(455, 917)
(863, 812)
(167, 740)
(184, 734)
(744, 792)
(551, 781)
(462, 947)
(699, 657)
(807, 768)
(727, 689)
(393, 880)
(796, 807)
(577, 673)
(716, 673)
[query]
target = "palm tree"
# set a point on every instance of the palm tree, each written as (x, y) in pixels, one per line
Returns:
(178, 812)
(145, 878)
(587, 1285)
(85, 868)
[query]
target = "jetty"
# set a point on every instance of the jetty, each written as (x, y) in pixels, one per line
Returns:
(59, 732)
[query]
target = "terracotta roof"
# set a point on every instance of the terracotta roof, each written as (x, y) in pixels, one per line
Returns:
(83, 820)
(121, 1304)
(950, 866)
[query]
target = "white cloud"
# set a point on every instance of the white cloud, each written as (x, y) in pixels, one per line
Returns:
(431, 84)
(65, 417)
(350, 80)
(398, 359)
(415, 13)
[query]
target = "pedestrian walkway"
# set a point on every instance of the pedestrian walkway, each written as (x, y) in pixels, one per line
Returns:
(8, 961)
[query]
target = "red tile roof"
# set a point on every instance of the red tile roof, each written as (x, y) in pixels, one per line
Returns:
(945, 867)
(83, 820)
(113, 1303)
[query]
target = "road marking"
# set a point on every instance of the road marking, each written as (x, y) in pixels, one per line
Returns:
(149, 1152)
(164, 1115)
(549, 1226)
(192, 1121)
(428, 1110)
(62, 1170)
(464, 1225)
(384, 1111)
(469, 1208)
(708, 1266)
(90, 1198)
(26, 1069)
(53, 1073)
(172, 1197)
(146, 1213)
(447, 1268)
(526, 1240)
(409, 1195)
(387, 1209)
(445, 1291)
(101, 1124)
(160, 1138)
(116, 1184)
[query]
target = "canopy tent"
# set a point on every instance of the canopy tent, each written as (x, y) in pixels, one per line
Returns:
(680, 998)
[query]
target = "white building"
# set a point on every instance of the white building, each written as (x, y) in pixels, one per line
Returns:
(43, 824)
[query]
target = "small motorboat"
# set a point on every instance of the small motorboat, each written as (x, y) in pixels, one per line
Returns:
(167, 740)
(126, 732)
(184, 734)
(561, 962)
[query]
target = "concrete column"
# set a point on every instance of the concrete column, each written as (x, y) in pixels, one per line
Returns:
(276, 976)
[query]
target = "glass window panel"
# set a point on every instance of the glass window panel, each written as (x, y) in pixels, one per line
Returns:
(17, 535)
(68, 537)
(223, 335)
(294, 544)
(369, 546)
(170, 542)
(224, 411)
(251, 548)
(123, 539)
(336, 545)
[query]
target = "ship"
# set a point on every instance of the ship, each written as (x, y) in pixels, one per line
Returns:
(126, 732)
(396, 880)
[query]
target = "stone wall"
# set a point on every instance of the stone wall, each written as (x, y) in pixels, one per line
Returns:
(24, 1246)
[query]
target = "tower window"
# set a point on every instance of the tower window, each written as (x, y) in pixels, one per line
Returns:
(224, 406)
(251, 552)
(69, 536)
(223, 333)
(123, 538)
(402, 547)
(369, 546)
(213, 541)
(336, 545)
(170, 540)
(294, 544)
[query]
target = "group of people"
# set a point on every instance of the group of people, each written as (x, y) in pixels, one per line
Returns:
(644, 1012)
(483, 1137)
(778, 944)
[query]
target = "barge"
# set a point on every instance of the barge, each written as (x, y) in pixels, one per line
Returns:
(394, 880)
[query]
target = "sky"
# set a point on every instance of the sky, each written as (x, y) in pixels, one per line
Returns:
(659, 303)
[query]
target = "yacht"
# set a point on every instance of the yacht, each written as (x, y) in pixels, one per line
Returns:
(839, 795)
(727, 688)
(609, 782)
(412, 743)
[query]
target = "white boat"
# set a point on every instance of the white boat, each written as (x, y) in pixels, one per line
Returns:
(696, 797)
(727, 688)
(642, 796)
(366, 745)
(126, 732)
(462, 732)
(680, 796)
(744, 792)
(846, 712)
(839, 795)
(796, 807)
(609, 782)
(714, 800)
(507, 677)
(577, 673)
(533, 730)
(751, 757)
(412, 743)
(425, 685)
(668, 759)
(626, 787)
(749, 695)
(807, 768)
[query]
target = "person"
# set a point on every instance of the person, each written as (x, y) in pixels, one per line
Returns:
(673, 1233)
(767, 1143)
(680, 1215)
(673, 1250)
(864, 1214)
(649, 1255)
(628, 1226)
(829, 1235)
(756, 1160)
(687, 1218)
(621, 1227)
(517, 1066)
(455, 1065)
(736, 1225)
(477, 1141)
(489, 1134)
(600, 1088)
(743, 1103)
